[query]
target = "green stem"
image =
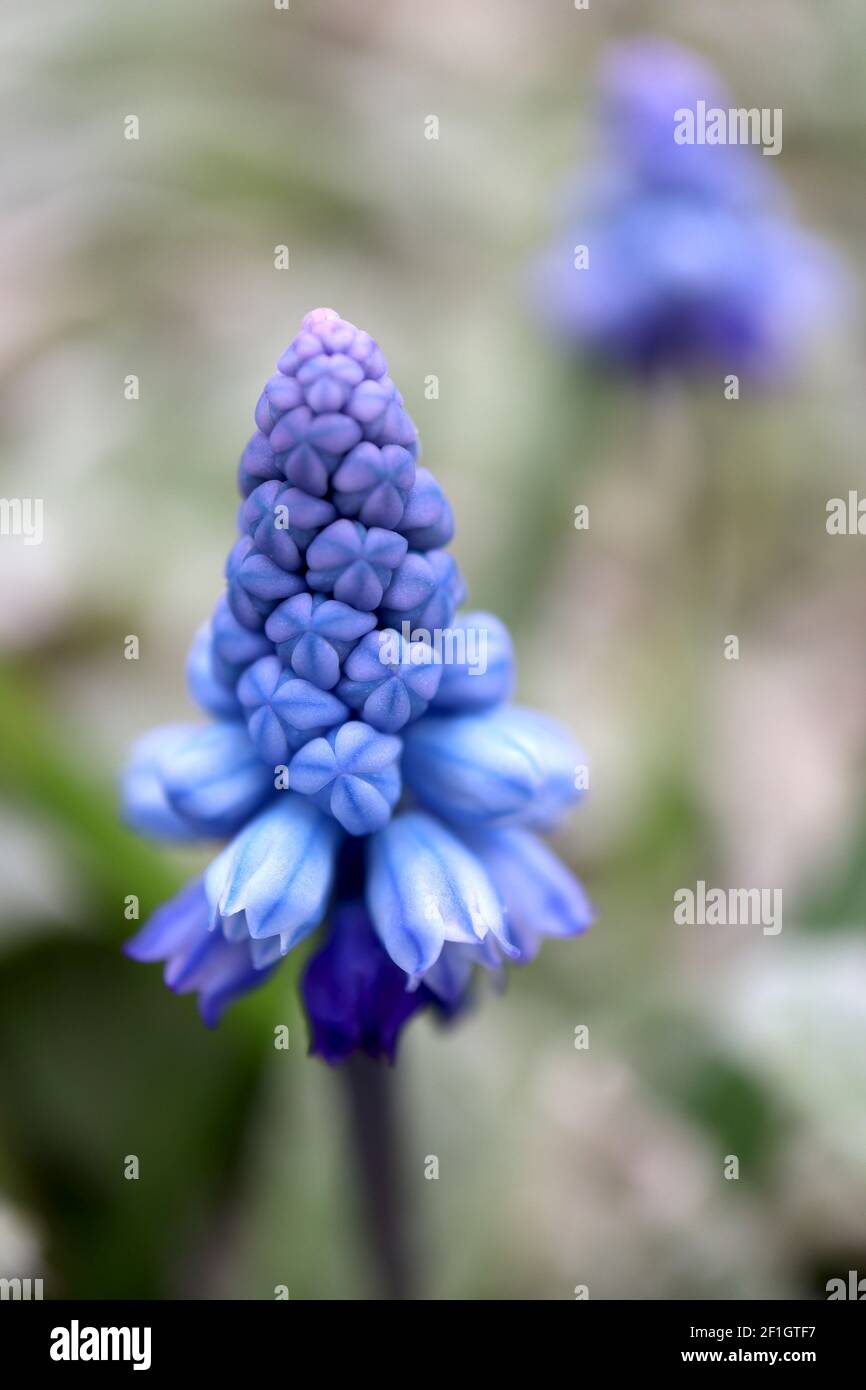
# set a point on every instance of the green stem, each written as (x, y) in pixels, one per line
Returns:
(371, 1089)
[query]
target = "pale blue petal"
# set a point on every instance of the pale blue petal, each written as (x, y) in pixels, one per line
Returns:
(205, 678)
(144, 804)
(477, 665)
(451, 975)
(425, 888)
(215, 779)
(170, 927)
(278, 871)
(540, 894)
(507, 766)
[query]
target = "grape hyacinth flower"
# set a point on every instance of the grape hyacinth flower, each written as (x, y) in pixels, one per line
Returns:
(362, 760)
(680, 257)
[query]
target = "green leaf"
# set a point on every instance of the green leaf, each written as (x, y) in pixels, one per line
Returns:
(100, 1063)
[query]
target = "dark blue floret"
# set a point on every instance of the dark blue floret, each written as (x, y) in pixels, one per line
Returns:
(281, 521)
(352, 773)
(313, 635)
(235, 647)
(309, 446)
(373, 484)
(425, 591)
(355, 996)
(257, 464)
(354, 563)
(256, 584)
(284, 712)
(389, 680)
(427, 520)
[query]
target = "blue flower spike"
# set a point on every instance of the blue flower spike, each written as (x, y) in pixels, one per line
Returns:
(696, 264)
(361, 759)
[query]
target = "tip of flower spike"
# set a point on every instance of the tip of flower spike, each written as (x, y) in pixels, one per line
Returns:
(319, 316)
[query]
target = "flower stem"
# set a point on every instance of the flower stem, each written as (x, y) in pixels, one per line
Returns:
(371, 1089)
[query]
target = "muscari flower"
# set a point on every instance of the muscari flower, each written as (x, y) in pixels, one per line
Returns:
(362, 760)
(695, 261)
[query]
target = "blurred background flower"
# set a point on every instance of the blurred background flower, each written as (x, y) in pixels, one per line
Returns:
(679, 254)
(155, 259)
